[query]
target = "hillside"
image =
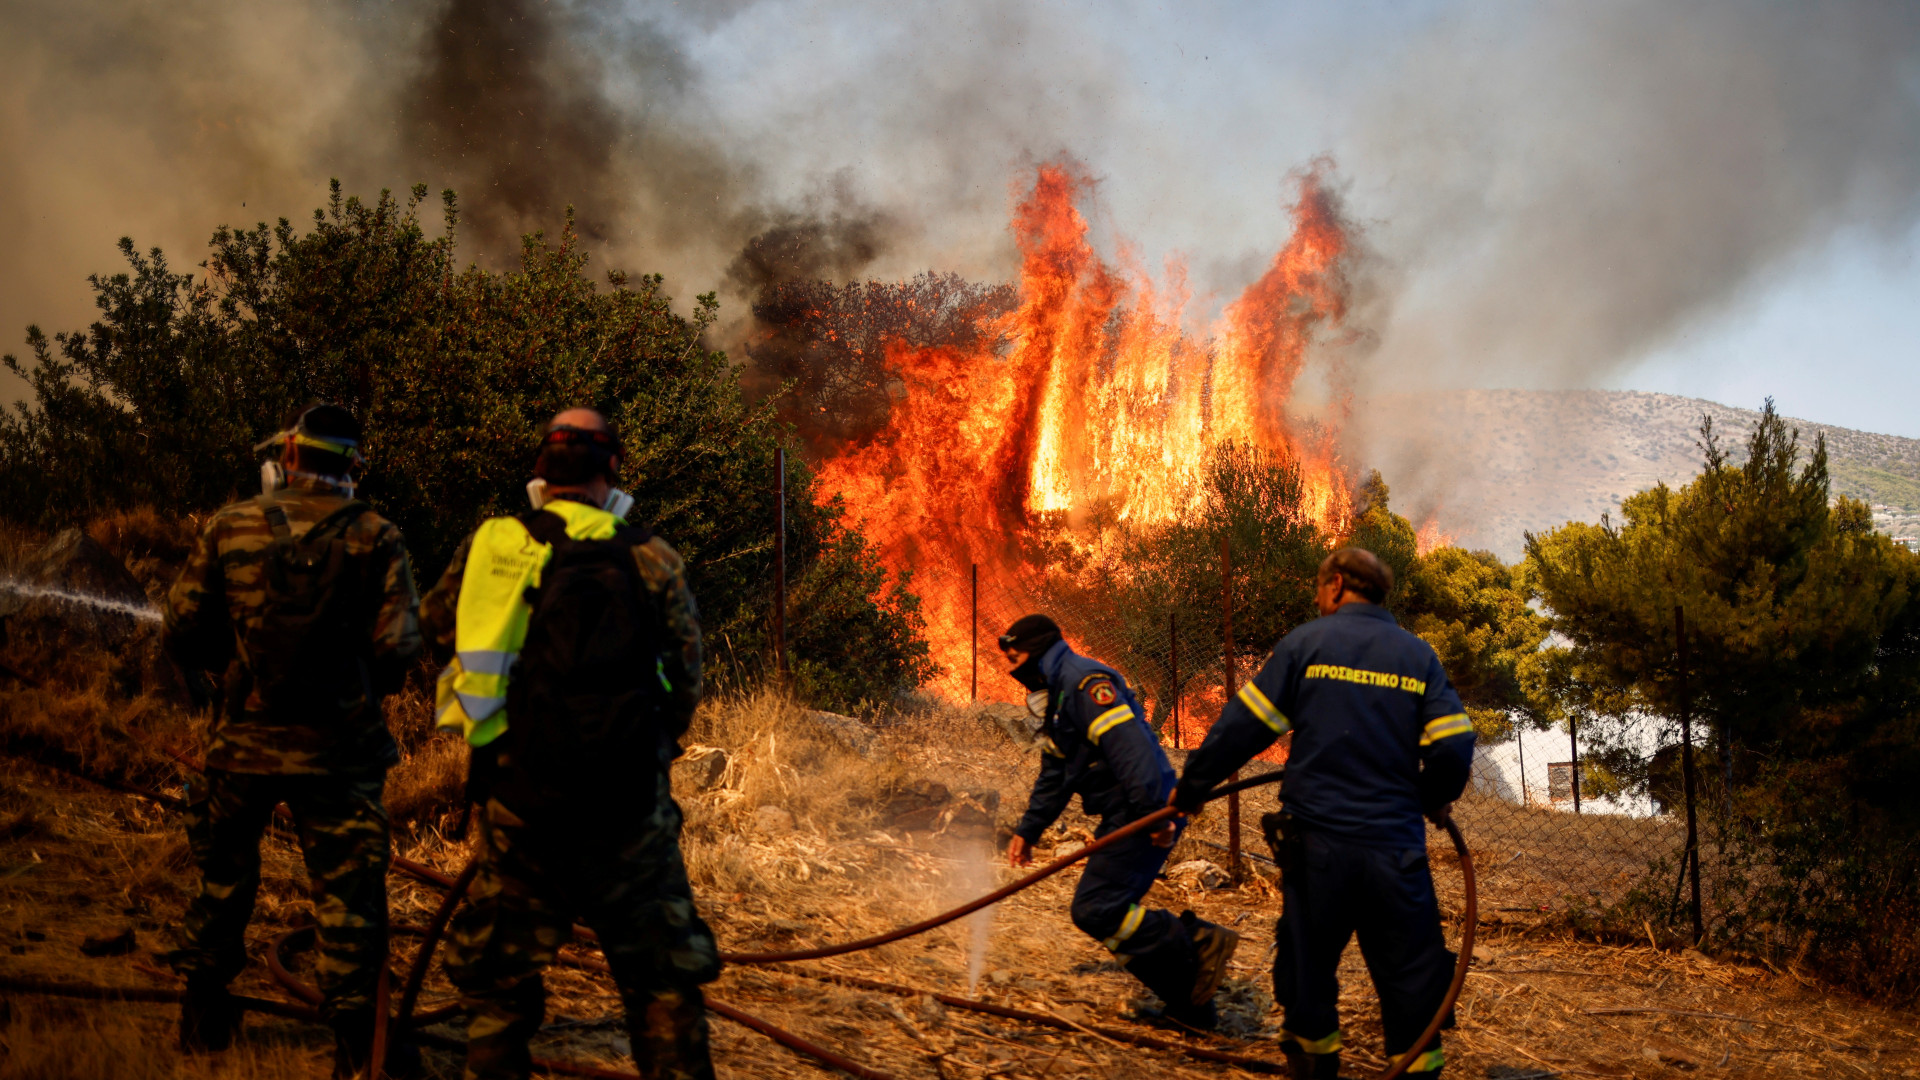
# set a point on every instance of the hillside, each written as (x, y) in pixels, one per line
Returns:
(1493, 464)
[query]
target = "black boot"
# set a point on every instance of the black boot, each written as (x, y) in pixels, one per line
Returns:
(208, 1017)
(352, 1044)
(1213, 947)
(668, 1029)
(353, 1050)
(1307, 1066)
(1168, 967)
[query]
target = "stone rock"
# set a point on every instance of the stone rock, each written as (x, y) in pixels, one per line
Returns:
(1014, 721)
(917, 806)
(73, 593)
(773, 819)
(930, 806)
(855, 735)
(972, 811)
(699, 768)
(1203, 873)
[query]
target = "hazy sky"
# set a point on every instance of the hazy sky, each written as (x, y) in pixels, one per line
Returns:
(1717, 198)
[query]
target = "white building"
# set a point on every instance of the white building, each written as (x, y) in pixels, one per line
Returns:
(1535, 769)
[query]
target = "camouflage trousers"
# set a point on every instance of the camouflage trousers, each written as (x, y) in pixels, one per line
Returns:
(342, 827)
(625, 881)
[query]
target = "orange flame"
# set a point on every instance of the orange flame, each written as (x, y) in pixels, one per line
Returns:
(1431, 536)
(1101, 408)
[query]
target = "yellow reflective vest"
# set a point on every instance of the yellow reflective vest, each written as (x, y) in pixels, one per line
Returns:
(490, 618)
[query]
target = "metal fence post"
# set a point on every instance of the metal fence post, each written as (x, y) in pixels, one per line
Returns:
(1686, 765)
(1520, 744)
(780, 567)
(1573, 742)
(973, 689)
(1173, 680)
(1226, 633)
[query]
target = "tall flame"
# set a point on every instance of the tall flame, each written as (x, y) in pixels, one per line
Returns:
(1099, 407)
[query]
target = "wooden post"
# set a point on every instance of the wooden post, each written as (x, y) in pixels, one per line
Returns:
(780, 567)
(973, 688)
(1173, 647)
(1686, 765)
(1226, 633)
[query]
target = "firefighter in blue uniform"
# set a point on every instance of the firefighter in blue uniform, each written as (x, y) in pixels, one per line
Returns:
(1379, 740)
(1097, 745)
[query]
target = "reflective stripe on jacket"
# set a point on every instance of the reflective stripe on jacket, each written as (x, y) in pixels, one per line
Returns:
(490, 621)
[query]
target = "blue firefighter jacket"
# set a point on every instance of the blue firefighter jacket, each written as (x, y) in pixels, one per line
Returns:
(1097, 746)
(1379, 735)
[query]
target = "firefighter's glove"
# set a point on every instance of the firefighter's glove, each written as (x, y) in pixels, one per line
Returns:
(1273, 826)
(1188, 799)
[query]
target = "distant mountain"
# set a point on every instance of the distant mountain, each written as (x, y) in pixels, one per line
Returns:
(1490, 465)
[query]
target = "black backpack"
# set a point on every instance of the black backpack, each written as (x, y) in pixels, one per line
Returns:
(583, 703)
(306, 654)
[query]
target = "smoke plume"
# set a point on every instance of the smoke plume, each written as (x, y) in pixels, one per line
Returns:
(1550, 190)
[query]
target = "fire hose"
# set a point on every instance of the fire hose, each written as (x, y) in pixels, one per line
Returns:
(1393, 1069)
(456, 887)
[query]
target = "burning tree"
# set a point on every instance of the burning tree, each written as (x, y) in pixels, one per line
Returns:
(1034, 445)
(823, 347)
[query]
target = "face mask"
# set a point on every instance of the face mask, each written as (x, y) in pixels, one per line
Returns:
(1037, 704)
(618, 502)
(273, 477)
(1028, 674)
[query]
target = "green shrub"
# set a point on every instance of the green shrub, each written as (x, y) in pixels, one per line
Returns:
(452, 370)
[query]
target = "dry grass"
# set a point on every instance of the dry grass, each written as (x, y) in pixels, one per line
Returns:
(152, 547)
(52, 1039)
(77, 861)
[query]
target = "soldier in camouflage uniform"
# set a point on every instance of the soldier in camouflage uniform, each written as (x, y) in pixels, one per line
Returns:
(303, 729)
(605, 848)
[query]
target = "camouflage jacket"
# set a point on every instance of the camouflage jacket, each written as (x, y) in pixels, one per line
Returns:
(662, 574)
(221, 593)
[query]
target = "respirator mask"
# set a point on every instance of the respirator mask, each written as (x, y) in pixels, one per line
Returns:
(583, 454)
(274, 474)
(1037, 704)
(618, 502)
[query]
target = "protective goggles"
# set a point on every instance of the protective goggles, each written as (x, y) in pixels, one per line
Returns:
(602, 441)
(299, 436)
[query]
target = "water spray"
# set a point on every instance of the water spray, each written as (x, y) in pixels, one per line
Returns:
(143, 612)
(976, 873)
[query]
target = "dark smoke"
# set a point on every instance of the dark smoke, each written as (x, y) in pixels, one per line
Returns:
(504, 112)
(1558, 187)
(515, 107)
(805, 248)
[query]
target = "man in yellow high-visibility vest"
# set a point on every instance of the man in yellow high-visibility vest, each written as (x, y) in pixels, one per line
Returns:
(573, 659)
